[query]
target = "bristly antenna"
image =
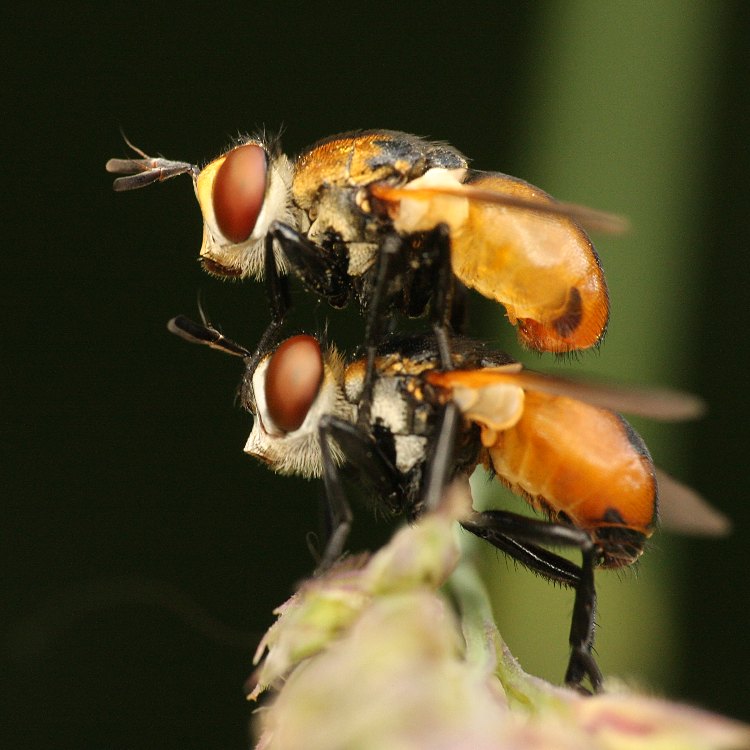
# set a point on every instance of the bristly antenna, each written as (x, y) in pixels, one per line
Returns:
(146, 170)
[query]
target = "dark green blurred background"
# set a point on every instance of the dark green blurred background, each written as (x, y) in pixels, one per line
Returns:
(142, 551)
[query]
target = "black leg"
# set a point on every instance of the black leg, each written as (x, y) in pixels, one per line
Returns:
(581, 638)
(441, 307)
(440, 463)
(277, 288)
(536, 559)
(340, 513)
(320, 270)
(376, 314)
(277, 291)
(459, 317)
(371, 464)
(520, 537)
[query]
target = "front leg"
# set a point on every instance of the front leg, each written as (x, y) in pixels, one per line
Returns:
(320, 269)
(311, 263)
(365, 456)
(277, 291)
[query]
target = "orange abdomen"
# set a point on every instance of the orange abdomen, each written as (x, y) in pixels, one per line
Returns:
(542, 268)
(585, 464)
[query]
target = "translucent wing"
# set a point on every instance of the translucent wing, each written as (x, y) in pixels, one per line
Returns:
(684, 511)
(497, 189)
(656, 403)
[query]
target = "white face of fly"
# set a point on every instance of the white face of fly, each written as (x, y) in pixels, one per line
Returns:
(240, 194)
(296, 451)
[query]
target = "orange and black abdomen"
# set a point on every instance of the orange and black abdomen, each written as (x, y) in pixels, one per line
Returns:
(584, 464)
(541, 267)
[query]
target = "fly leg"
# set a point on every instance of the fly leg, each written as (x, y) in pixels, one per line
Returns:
(520, 537)
(441, 459)
(533, 557)
(438, 246)
(317, 268)
(277, 291)
(441, 308)
(581, 662)
(321, 270)
(364, 455)
(459, 311)
(374, 327)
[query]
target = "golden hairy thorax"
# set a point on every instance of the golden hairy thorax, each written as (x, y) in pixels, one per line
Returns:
(358, 159)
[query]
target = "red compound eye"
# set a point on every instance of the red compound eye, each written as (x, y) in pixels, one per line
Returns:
(293, 380)
(238, 191)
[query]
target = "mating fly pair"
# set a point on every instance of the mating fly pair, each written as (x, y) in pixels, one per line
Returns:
(399, 224)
